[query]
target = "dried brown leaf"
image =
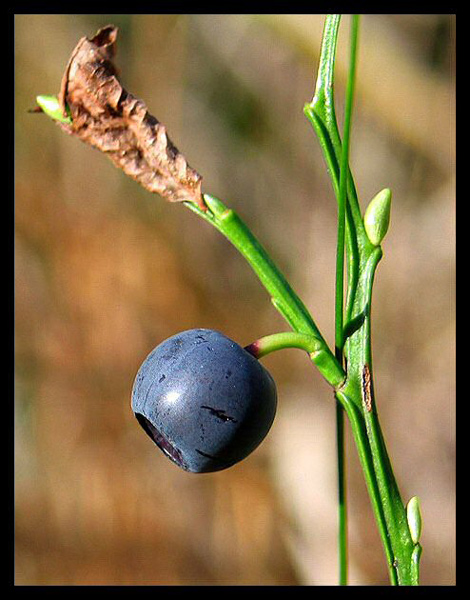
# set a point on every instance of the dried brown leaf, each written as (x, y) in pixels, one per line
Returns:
(109, 118)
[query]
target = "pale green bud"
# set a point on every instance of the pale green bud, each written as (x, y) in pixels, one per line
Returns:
(413, 516)
(377, 216)
(50, 105)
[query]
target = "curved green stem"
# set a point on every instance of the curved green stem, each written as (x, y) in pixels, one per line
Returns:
(314, 346)
(286, 339)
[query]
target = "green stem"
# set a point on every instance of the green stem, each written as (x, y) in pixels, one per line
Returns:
(339, 303)
(359, 386)
(286, 339)
(282, 295)
(365, 457)
(342, 497)
(363, 258)
(348, 391)
(357, 395)
(343, 180)
(321, 114)
(415, 558)
(312, 345)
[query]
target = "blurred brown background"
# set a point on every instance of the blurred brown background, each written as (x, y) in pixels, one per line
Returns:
(105, 271)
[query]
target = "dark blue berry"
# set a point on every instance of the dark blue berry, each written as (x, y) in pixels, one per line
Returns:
(205, 401)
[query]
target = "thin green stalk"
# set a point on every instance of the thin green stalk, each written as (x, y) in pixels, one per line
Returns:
(357, 394)
(398, 543)
(343, 180)
(342, 497)
(365, 457)
(339, 303)
(282, 295)
(347, 392)
(290, 306)
(286, 339)
(322, 116)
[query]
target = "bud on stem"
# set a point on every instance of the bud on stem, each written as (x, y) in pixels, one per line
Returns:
(377, 216)
(413, 516)
(51, 107)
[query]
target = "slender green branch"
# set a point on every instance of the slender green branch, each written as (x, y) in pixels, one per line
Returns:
(359, 386)
(282, 295)
(314, 346)
(363, 253)
(365, 456)
(321, 114)
(286, 339)
(342, 496)
(339, 302)
(342, 191)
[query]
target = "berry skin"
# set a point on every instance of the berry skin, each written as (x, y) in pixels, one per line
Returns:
(205, 401)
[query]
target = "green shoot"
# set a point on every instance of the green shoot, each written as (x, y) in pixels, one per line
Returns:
(51, 107)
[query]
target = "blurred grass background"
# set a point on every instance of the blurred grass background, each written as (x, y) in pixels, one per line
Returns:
(105, 271)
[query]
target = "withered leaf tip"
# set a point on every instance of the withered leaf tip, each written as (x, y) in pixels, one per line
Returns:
(111, 119)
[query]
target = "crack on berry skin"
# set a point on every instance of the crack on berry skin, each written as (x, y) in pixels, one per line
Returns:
(162, 442)
(220, 414)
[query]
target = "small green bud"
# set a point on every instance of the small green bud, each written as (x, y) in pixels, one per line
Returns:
(413, 516)
(377, 216)
(50, 105)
